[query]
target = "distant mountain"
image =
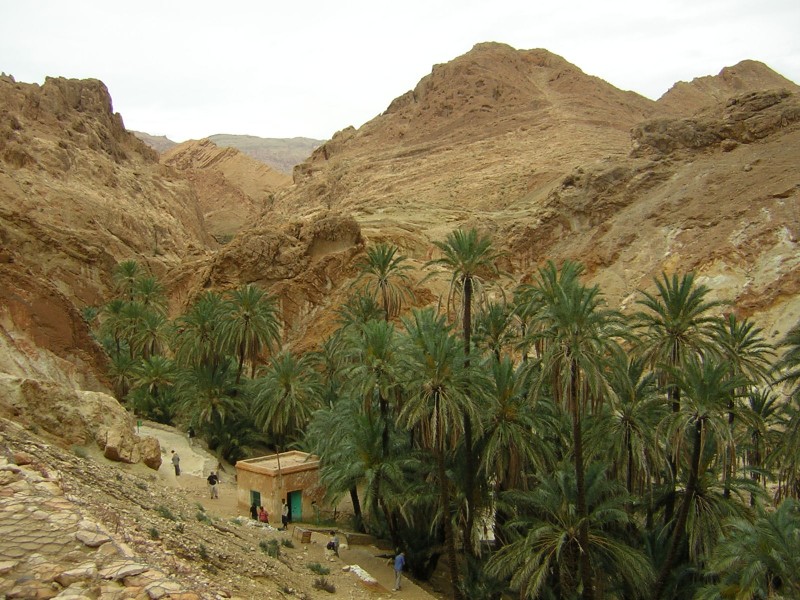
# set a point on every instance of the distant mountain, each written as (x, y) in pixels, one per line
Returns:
(159, 143)
(282, 154)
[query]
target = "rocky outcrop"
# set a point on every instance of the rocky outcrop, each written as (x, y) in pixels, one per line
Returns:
(743, 120)
(75, 417)
(685, 98)
(232, 189)
(78, 193)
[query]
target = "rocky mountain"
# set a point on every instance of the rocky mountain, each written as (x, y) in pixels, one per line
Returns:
(159, 143)
(556, 164)
(282, 154)
(232, 188)
(549, 161)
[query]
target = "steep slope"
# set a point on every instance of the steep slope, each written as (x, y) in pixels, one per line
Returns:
(556, 164)
(232, 189)
(486, 134)
(79, 193)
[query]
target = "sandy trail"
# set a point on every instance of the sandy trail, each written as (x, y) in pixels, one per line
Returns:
(197, 462)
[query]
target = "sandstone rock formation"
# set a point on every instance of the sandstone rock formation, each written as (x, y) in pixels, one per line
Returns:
(551, 162)
(282, 154)
(232, 189)
(556, 164)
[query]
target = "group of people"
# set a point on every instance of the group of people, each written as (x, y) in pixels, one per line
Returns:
(260, 514)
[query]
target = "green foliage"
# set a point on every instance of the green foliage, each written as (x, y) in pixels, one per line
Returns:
(613, 457)
(79, 451)
(154, 534)
(166, 513)
(287, 543)
(318, 568)
(270, 547)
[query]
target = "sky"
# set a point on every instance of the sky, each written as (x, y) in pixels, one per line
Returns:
(188, 69)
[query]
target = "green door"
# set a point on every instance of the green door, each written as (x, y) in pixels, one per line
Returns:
(296, 506)
(255, 498)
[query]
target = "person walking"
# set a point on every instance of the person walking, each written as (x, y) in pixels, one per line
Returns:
(176, 462)
(254, 511)
(399, 565)
(213, 485)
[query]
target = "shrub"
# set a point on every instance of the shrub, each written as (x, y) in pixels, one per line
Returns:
(318, 569)
(154, 533)
(320, 583)
(287, 543)
(271, 548)
(166, 513)
(203, 517)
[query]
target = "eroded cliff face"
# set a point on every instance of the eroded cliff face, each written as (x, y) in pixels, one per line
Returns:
(233, 189)
(555, 164)
(78, 194)
(551, 162)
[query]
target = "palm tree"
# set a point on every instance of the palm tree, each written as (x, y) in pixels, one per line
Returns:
(208, 396)
(541, 561)
(627, 432)
(359, 309)
(196, 334)
(125, 276)
(707, 386)
(577, 337)
(510, 446)
(151, 335)
(356, 458)
(149, 291)
(470, 259)
(374, 372)
(249, 325)
(675, 324)
(438, 387)
(742, 345)
(494, 330)
(285, 397)
(760, 558)
(153, 381)
(787, 374)
(385, 272)
(112, 324)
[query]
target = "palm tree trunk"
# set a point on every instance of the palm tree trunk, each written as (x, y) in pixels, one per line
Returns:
(680, 525)
(450, 543)
(580, 483)
(359, 518)
(469, 456)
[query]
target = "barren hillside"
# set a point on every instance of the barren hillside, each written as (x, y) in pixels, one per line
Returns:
(232, 189)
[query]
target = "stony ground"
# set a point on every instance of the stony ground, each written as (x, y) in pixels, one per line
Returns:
(73, 525)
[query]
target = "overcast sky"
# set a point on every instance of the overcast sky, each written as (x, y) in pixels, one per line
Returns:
(189, 69)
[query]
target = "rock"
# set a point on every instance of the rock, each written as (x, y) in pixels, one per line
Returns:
(23, 458)
(86, 571)
(150, 451)
(120, 444)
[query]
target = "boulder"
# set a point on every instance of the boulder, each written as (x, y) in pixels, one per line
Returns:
(150, 451)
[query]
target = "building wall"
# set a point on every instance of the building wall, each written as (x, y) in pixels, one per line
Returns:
(274, 488)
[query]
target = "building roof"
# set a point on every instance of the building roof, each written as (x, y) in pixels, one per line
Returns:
(293, 461)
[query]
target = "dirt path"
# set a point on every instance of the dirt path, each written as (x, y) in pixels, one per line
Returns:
(196, 463)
